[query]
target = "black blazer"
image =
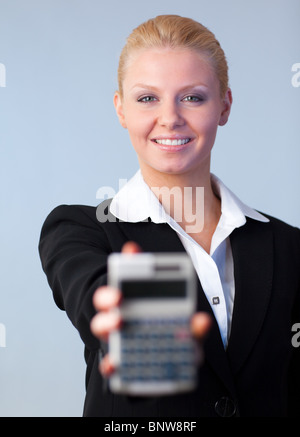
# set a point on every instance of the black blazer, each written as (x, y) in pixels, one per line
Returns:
(258, 374)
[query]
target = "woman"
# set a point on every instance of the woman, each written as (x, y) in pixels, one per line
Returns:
(173, 94)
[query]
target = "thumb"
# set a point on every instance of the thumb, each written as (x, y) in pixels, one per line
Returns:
(131, 247)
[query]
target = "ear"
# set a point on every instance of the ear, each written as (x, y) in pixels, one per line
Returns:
(227, 102)
(119, 109)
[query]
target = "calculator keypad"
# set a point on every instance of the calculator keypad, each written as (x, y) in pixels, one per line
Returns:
(155, 350)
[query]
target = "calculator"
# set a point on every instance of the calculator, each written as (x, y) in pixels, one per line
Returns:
(153, 351)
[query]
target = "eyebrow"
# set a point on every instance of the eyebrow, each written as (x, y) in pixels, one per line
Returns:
(154, 88)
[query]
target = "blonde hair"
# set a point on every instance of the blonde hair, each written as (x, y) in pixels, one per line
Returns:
(174, 31)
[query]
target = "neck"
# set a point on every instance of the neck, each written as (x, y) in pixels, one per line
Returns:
(188, 198)
(197, 178)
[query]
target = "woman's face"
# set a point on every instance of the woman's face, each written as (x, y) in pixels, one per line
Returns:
(171, 106)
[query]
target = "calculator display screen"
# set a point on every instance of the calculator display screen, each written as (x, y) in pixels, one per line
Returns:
(139, 289)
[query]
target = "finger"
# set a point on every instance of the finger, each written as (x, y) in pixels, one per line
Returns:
(106, 367)
(200, 325)
(106, 298)
(104, 323)
(131, 247)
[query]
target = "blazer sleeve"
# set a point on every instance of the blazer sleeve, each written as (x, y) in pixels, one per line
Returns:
(294, 371)
(73, 249)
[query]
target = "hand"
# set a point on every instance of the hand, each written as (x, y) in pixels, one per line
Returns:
(106, 299)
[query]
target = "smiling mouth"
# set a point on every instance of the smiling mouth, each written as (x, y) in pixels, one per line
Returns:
(172, 142)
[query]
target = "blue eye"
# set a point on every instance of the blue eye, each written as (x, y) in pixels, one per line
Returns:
(193, 99)
(146, 99)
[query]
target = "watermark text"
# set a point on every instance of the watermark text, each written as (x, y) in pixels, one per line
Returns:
(184, 205)
(296, 76)
(2, 76)
(296, 336)
(2, 335)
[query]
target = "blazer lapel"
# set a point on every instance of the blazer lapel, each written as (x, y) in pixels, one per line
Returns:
(252, 249)
(214, 352)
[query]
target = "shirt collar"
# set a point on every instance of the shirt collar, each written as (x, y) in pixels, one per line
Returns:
(234, 211)
(136, 202)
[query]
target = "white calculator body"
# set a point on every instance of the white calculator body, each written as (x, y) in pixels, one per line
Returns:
(153, 351)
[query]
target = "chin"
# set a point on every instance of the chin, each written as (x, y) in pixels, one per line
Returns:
(176, 171)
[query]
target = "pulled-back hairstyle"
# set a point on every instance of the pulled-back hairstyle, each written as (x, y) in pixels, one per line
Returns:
(174, 31)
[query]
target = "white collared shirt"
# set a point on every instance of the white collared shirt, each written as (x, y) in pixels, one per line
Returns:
(136, 202)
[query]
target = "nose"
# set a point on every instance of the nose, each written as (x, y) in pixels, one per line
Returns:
(170, 115)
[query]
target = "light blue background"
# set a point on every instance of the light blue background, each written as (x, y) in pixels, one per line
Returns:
(60, 141)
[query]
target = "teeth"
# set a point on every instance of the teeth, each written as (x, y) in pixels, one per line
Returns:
(173, 142)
